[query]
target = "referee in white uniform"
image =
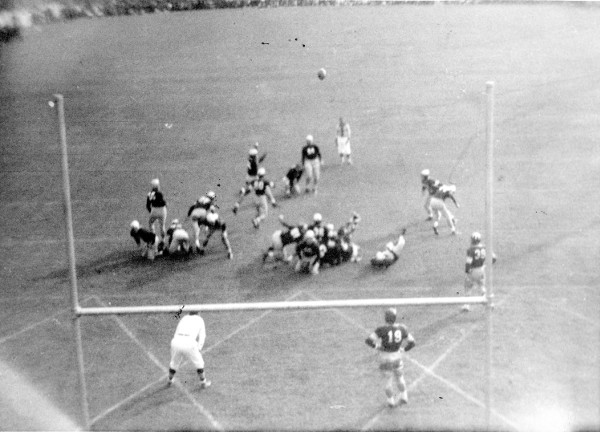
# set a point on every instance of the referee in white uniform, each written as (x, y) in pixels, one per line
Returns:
(186, 345)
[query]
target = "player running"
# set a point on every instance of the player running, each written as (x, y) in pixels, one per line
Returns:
(439, 207)
(213, 224)
(262, 188)
(139, 234)
(475, 268)
(251, 175)
(311, 160)
(388, 340)
(157, 207)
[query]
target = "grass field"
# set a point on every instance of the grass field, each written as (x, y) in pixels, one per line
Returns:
(410, 80)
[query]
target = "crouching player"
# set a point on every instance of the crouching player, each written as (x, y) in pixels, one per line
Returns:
(148, 249)
(178, 239)
(291, 180)
(213, 223)
(282, 238)
(391, 253)
(308, 254)
(198, 211)
(387, 339)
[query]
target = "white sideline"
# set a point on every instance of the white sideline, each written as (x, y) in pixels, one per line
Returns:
(209, 348)
(32, 411)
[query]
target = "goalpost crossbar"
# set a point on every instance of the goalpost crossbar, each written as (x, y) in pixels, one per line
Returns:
(282, 305)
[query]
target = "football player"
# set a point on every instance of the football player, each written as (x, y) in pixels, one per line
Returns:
(251, 174)
(282, 238)
(139, 234)
(475, 267)
(214, 223)
(292, 179)
(388, 340)
(157, 207)
(438, 206)
(317, 227)
(178, 240)
(311, 160)
(198, 211)
(391, 253)
(308, 254)
(262, 189)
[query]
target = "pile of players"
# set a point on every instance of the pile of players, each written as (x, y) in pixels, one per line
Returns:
(175, 240)
(307, 248)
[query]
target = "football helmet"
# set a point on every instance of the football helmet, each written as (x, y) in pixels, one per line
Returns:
(475, 237)
(211, 195)
(253, 151)
(261, 172)
(425, 173)
(135, 225)
(309, 139)
(309, 235)
(155, 183)
(390, 315)
(317, 217)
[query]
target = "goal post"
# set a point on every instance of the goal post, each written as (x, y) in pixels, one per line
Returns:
(79, 312)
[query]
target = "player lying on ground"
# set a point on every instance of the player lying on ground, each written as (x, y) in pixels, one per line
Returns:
(391, 253)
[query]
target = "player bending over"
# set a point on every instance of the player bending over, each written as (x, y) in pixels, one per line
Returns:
(308, 254)
(292, 179)
(198, 211)
(178, 239)
(282, 238)
(213, 223)
(388, 340)
(147, 237)
(391, 253)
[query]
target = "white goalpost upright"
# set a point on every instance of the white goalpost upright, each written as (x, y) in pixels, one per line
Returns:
(78, 311)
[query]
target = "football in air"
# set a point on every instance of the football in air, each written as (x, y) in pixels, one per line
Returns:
(322, 74)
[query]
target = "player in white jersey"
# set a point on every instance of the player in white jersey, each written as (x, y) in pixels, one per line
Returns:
(438, 206)
(391, 253)
(342, 141)
(186, 344)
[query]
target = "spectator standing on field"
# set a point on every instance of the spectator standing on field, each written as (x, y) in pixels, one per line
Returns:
(186, 344)
(311, 160)
(342, 141)
(157, 207)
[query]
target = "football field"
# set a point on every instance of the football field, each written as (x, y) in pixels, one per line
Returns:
(183, 96)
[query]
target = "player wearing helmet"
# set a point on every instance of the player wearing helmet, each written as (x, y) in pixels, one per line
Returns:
(198, 211)
(391, 253)
(251, 174)
(178, 240)
(213, 224)
(342, 141)
(388, 340)
(311, 160)
(282, 238)
(317, 227)
(308, 254)
(262, 190)
(157, 207)
(475, 267)
(291, 180)
(139, 234)
(439, 207)
(426, 184)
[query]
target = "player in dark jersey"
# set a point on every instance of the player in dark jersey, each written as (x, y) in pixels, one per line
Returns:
(198, 211)
(292, 179)
(475, 267)
(157, 207)
(311, 160)
(142, 235)
(282, 238)
(317, 227)
(262, 189)
(331, 248)
(388, 340)
(308, 254)
(252, 168)
(213, 223)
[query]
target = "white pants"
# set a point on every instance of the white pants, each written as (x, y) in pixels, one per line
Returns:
(185, 348)
(180, 238)
(343, 146)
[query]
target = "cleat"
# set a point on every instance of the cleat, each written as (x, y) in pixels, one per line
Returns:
(465, 308)
(201, 251)
(429, 218)
(169, 382)
(403, 401)
(391, 402)
(435, 231)
(256, 223)
(236, 207)
(230, 255)
(453, 232)
(205, 384)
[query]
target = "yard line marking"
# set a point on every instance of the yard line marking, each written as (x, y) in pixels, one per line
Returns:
(429, 371)
(36, 324)
(248, 324)
(571, 312)
(215, 424)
